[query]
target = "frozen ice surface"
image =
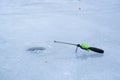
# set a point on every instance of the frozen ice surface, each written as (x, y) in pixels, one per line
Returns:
(35, 24)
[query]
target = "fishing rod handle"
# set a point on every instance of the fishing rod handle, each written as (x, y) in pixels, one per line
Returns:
(96, 50)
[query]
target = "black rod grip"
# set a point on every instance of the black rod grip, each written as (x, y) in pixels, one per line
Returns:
(96, 50)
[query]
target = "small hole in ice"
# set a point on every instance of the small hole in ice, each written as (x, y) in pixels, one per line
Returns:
(36, 49)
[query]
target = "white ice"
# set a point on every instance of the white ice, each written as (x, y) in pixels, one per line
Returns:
(37, 23)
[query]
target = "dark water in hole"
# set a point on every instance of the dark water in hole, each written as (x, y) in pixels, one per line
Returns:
(36, 49)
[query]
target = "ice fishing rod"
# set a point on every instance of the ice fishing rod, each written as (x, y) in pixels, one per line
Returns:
(83, 46)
